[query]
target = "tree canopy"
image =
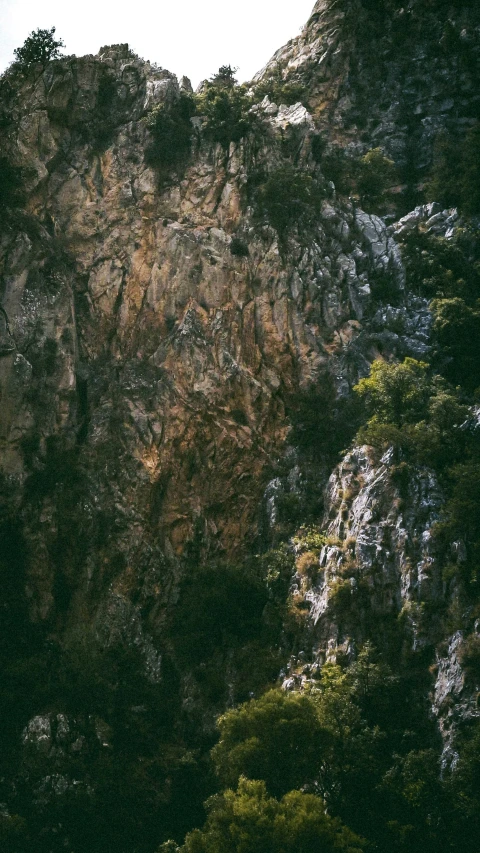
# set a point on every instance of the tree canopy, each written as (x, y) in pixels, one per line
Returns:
(40, 47)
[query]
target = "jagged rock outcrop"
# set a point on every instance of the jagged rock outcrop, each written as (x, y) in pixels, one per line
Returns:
(147, 356)
(149, 371)
(419, 79)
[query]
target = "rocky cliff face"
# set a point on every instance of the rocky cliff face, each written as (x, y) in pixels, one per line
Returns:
(144, 354)
(389, 74)
(150, 372)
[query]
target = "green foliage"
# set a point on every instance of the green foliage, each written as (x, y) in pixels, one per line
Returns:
(288, 198)
(349, 597)
(39, 48)
(412, 411)
(339, 740)
(469, 657)
(171, 128)
(278, 90)
(309, 539)
(455, 177)
(224, 108)
(277, 566)
(248, 821)
(444, 269)
(277, 738)
(225, 77)
(448, 272)
(337, 166)
(412, 793)
(394, 393)
(369, 177)
(456, 327)
(376, 174)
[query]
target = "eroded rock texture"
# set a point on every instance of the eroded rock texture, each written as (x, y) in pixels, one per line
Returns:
(150, 373)
(150, 363)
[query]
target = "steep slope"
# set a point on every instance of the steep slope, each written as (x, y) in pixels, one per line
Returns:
(147, 356)
(176, 366)
(377, 72)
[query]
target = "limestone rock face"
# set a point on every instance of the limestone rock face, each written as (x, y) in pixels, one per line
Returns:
(146, 368)
(380, 567)
(380, 541)
(386, 74)
(144, 383)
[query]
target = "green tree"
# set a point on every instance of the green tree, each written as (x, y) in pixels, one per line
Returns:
(224, 108)
(249, 821)
(376, 174)
(278, 90)
(395, 393)
(412, 411)
(457, 331)
(225, 76)
(40, 47)
(289, 197)
(277, 738)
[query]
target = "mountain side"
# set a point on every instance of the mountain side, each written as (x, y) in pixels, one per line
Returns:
(191, 289)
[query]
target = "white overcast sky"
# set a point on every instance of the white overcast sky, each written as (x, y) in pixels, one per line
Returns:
(192, 37)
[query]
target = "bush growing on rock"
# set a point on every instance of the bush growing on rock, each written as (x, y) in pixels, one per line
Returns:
(225, 77)
(171, 128)
(278, 90)
(289, 197)
(39, 48)
(376, 174)
(412, 411)
(224, 108)
(441, 268)
(395, 393)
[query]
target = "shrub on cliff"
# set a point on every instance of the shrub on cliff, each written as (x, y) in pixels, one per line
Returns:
(171, 128)
(376, 174)
(39, 48)
(224, 108)
(395, 393)
(441, 268)
(289, 197)
(278, 90)
(455, 175)
(411, 410)
(225, 77)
